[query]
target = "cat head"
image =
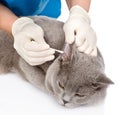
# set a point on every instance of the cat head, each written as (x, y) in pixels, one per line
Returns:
(76, 79)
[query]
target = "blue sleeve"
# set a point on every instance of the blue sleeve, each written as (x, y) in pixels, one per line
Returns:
(50, 8)
(21, 7)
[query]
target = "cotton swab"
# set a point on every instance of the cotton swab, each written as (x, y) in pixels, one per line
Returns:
(59, 51)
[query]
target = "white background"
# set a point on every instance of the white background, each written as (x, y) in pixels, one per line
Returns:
(18, 97)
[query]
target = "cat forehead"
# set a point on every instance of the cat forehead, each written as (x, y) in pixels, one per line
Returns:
(77, 78)
(78, 71)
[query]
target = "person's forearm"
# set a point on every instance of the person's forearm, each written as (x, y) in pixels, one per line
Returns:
(83, 3)
(7, 18)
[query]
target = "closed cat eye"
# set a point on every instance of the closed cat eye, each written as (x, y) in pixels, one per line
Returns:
(96, 86)
(61, 85)
(80, 95)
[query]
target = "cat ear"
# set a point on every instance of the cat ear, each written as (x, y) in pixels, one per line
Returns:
(66, 57)
(102, 79)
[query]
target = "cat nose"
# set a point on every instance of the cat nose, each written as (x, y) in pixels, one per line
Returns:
(66, 97)
(64, 101)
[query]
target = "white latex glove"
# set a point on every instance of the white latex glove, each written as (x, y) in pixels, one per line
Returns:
(29, 42)
(77, 29)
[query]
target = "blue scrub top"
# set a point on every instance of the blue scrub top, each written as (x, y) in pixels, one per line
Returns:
(50, 8)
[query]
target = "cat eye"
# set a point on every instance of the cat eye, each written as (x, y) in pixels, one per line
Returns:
(98, 89)
(80, 95)
(96, 86)
(61, 85)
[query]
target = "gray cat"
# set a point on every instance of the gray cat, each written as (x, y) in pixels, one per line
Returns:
(74, 78)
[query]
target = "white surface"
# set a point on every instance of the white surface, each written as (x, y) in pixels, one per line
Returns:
(17, 97)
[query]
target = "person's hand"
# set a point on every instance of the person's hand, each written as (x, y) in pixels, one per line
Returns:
(77, 29)
(29, 42)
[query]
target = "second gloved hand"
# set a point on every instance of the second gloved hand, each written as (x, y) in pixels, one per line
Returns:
(29, 42)
(77, 29)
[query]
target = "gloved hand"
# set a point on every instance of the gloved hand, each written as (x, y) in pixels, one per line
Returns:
(77, 29)
(29, 42)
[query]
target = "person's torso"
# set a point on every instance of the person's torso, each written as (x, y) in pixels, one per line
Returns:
(51, 8)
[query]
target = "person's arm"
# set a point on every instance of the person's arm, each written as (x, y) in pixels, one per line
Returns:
(23, 30)
(7, 18)
(83, 3)
(77, 28)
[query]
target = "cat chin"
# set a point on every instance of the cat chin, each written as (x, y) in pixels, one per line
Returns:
(72, 106)
(84, 104)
